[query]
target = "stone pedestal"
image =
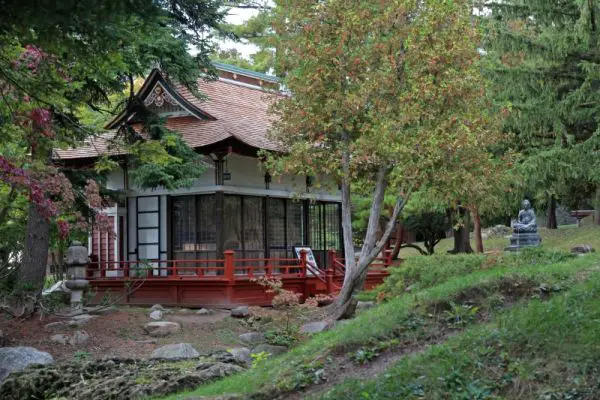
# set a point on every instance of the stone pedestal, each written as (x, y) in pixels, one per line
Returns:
(76, 260)
(521, 240)
(77, 287)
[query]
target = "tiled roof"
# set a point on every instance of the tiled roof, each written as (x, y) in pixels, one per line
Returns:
(240, 112)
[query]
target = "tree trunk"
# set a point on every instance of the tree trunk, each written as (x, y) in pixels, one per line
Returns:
(597, 207)
(33, 268)
(551, 220)
(462, 242)
(356, 271)
(477, 229)
(32, 271)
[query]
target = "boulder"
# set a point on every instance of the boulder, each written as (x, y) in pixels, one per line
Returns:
(18, 358)
(240, 312)
(241, 355)
(269, 348)
(205, 311)
(157, 307)
(314, 327)
(583, 249)
(252, 338)
(60, 338)
(184, 311)
(364, 305)
(79, 338)
(180, 351)
(213, 371)
(156, 315)
(161, 328)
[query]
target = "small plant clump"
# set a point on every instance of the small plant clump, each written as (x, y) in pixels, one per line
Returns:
(286, 301)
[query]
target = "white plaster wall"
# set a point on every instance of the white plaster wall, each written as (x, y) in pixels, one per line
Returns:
(248, 177)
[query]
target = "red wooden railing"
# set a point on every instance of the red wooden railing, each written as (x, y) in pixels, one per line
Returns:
(230, 269)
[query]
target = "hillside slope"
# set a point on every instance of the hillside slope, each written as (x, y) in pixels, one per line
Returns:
(453, 327)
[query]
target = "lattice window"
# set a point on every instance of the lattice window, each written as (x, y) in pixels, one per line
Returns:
(184, 223)
(295, 225)
(232, 228)
(254, 234)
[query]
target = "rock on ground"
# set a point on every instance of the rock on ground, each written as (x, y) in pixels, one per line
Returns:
(495, 231)
(157, 307)
(241, 355)
(252, 337)
(79, 338)
(364, 305)
(583, 249)
(269, 348)
(212, 371)
(240, 312)
(314, 327)
(205, 311)
(178, 351)
(162, 328)
(60, 338)
(156, 315)
(14, 359)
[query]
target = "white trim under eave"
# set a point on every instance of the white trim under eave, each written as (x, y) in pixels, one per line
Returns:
(237, 190)
(247, 85)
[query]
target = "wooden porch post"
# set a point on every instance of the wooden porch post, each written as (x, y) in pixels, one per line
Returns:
(229, 268)
(331, 254)
(303, 262)
(220, 222)
(329, 280)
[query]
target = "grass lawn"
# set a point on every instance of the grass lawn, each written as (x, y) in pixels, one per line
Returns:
(468, 327)
(563, 238)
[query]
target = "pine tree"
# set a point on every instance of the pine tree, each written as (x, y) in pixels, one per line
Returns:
(545, 66)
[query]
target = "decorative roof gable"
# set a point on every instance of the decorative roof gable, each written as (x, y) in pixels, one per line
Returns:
(161, 98)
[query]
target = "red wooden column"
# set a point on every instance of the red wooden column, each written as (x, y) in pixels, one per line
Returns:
(229, 274)
(229, 267)
(303, 262)
(331, 255)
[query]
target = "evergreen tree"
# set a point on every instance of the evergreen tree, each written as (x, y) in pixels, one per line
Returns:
(545, 66)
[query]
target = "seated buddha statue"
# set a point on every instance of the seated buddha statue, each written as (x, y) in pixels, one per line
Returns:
(526, 220)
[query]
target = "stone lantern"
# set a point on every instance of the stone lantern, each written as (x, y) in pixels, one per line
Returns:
(76, 260)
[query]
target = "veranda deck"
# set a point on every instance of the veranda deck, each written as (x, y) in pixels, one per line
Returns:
(219, 283)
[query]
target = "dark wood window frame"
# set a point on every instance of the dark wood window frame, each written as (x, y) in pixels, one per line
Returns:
(325, 232)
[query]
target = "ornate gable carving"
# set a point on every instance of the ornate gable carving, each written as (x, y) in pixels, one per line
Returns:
(158, 96)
